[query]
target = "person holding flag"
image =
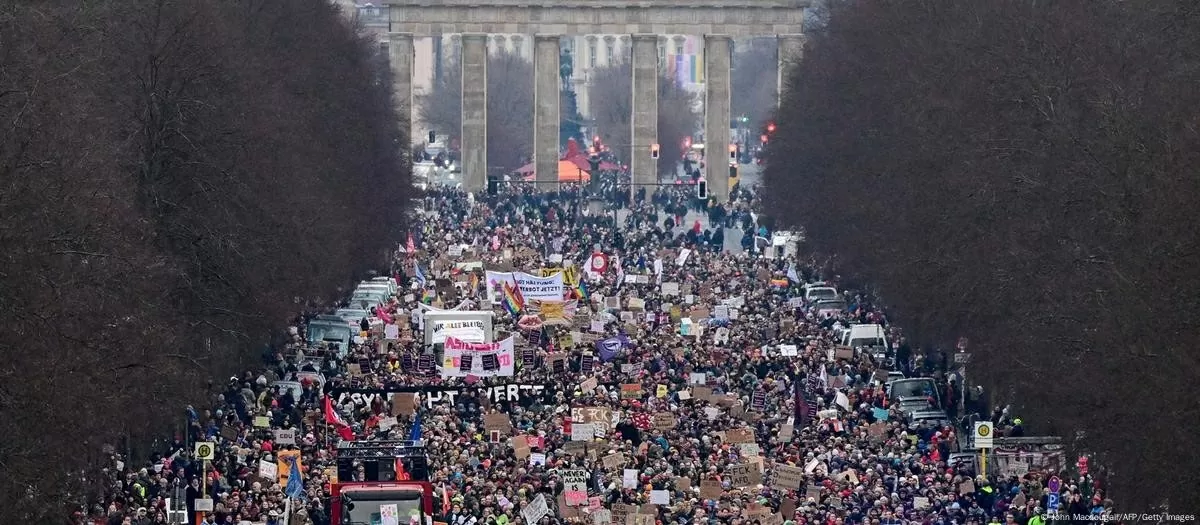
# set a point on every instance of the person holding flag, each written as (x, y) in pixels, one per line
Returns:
(332, 417)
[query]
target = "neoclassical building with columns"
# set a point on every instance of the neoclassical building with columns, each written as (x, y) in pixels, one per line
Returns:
(595, 33)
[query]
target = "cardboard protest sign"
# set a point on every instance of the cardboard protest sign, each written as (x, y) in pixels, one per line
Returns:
(787, 508)
(664, 421)
(743, 475)
(404, 404)
(497, 421)
(739, 435)
(786, 431)
(787, 476)
(599, 417)
(814, 492)
(521, 447)
(710, 489)
(613, 461)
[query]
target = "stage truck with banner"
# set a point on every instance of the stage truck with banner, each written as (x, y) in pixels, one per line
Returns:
(462, 358)
(531, 286)
(469, 325)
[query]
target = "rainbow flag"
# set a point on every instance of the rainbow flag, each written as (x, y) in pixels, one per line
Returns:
(513, 301)
(581, 290)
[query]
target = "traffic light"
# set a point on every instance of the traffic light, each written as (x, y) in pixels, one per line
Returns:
(770, 127)
(596, 142)
(733, 151)
(654, 151)
(493, 187)
(594, 161)
(762, 138)
(702, 189)
(432, 136)
(733, 171)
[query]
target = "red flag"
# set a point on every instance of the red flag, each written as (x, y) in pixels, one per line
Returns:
(445, 500)
(332, 417)
(410, 246)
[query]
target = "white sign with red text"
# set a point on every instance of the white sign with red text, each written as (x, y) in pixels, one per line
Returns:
(486, 359)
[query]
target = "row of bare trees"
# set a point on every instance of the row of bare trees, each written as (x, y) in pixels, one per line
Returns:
(509, 107)
(1023, 174)
(612, 107)
(177, 178)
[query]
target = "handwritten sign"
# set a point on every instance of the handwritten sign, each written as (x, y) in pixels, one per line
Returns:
(787, 476)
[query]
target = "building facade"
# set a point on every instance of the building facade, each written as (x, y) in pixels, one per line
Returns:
(680, 57)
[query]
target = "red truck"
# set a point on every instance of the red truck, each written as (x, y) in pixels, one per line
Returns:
(382, 483)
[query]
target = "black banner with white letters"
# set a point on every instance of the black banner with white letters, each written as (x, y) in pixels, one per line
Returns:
(523, 394)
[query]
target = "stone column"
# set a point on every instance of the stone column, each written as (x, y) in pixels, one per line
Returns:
(547, 93)
(401, 56)
(718, 53)
(644, 121)
(790, 51)
(473, 139)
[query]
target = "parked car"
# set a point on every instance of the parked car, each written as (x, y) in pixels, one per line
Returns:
(914, 395)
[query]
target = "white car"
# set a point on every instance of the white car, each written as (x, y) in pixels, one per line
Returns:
(819, 291)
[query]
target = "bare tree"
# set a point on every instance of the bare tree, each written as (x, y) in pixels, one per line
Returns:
(1021, 173)
(754, 79)
(174, 175)
(510, 108)
(611, 106)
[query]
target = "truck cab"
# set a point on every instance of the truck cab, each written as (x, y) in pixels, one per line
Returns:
(330, 330)
(381, 478)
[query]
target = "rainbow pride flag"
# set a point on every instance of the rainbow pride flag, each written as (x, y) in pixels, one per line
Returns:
(513, 301)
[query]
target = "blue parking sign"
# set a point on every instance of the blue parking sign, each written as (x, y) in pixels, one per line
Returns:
(1052, 502)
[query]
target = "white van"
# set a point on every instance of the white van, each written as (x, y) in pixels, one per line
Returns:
(865, 335)
(375, 287)
(390, 282)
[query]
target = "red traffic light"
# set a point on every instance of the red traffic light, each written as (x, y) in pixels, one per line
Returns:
(763, 138)
(770, 127)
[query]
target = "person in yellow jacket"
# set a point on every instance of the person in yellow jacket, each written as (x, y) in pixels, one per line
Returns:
(1036, 518)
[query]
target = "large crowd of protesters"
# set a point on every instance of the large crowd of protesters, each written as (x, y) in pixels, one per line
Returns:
(707, 437)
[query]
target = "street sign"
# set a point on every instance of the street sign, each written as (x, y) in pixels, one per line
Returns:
(983, 434)
(1052, 502)
(206, 450)
(1054, 484)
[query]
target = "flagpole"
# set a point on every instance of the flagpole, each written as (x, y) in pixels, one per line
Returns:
(287, 511)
